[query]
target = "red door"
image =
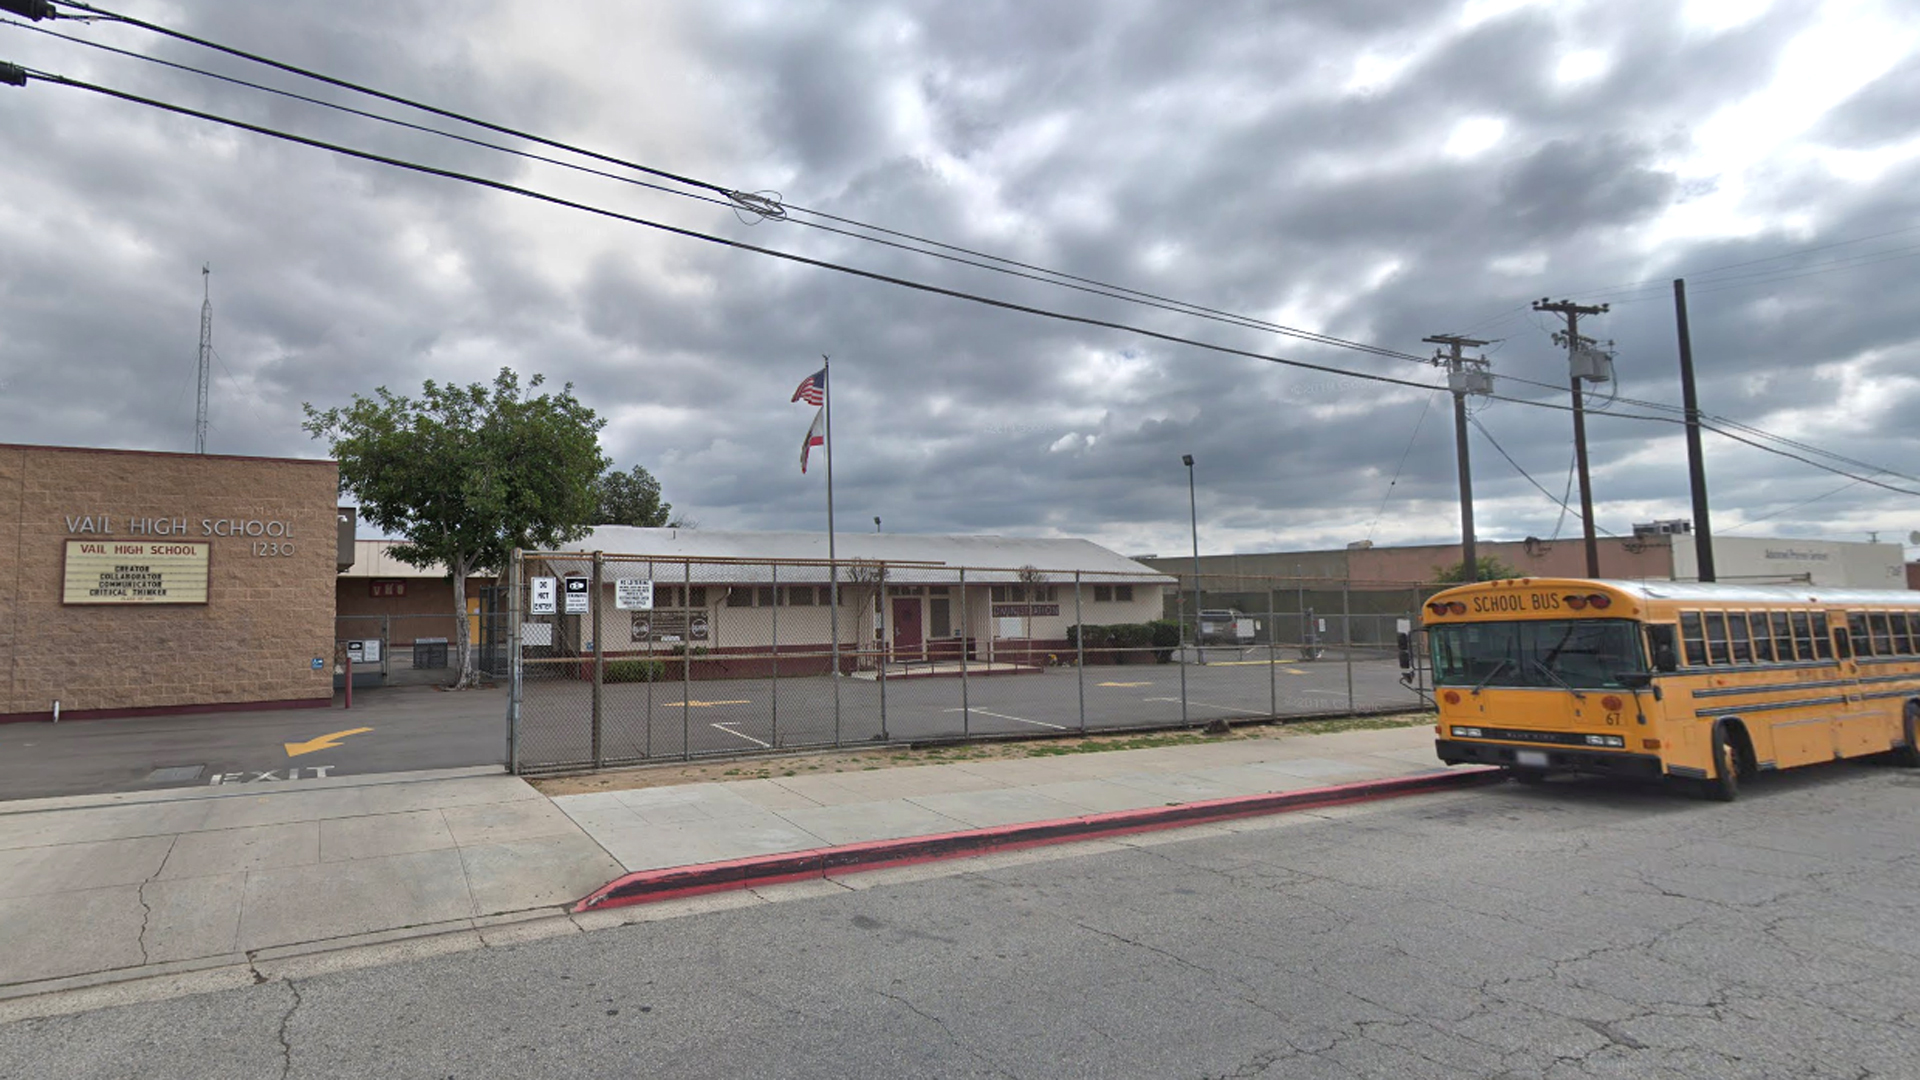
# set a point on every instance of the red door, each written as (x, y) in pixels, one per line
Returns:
(908, 640)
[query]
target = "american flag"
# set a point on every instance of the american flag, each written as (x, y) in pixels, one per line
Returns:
(813, 388)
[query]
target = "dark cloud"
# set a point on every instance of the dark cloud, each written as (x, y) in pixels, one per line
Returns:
(1223, 155)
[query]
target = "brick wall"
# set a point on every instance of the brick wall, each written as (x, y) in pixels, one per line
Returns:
(267, 616)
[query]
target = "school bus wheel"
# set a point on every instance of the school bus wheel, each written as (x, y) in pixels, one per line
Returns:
(1724, 785)
(1909, 755)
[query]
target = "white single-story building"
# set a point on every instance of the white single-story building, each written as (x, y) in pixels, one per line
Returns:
(905, 597)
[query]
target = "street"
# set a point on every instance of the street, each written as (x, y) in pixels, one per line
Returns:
(1581, 928)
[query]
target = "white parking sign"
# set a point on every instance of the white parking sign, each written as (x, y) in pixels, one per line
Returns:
(633, 594)
(576, 595)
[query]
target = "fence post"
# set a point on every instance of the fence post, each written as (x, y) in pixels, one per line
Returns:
(833, 620)
(1080, 652)
(514, 571)
(686, 662)
(1183, 652)
(654, 667)
(774, 692)
(386, 647)
(1273, 656)
(599, 663)
(886, 609)
(1346, 631)
(966, 637)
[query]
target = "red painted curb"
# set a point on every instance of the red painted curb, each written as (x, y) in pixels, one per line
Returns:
(649, 886)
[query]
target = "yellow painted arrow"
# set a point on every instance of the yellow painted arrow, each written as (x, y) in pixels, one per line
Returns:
(324, 742)
(702, 704)
(1126, 684)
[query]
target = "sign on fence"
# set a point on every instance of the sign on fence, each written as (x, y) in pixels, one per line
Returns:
(576, 595)
(633, 594)
(544, 596)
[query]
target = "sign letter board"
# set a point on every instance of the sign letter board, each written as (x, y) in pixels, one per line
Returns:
(136, 572)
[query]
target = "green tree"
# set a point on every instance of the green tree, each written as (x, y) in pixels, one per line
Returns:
(1491, 569)
(631, 498)
(465, 474)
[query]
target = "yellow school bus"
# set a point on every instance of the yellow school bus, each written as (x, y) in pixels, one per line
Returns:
(1707, 684)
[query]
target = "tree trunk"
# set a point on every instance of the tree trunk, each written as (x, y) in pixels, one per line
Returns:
(462, 631)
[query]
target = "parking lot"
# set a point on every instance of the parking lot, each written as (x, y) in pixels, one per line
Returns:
(666, 720)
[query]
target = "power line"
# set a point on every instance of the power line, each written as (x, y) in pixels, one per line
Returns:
(757, 203)
(777, 210)
(695, 234)
(1475, 421)
(907, 283)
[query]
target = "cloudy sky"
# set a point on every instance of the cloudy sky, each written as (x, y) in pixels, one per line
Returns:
(1375, 170)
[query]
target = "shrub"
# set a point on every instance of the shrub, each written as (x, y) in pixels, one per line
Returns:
(1097, 637)
(640, 670)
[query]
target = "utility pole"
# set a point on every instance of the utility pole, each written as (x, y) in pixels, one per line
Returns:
(1465, 375)
(1696, 461)
(206, 359)
(1583, 362)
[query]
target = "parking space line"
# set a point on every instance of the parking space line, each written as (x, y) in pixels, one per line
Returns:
(1205, 705)
(726, 726)
(1017, 719)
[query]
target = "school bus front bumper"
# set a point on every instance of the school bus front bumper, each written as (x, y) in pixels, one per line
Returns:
(1548, 757)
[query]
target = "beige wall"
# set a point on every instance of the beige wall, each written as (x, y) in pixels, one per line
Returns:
(266, 617)
(1634, 559)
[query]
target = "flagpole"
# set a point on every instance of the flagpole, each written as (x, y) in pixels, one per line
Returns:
(833, 566)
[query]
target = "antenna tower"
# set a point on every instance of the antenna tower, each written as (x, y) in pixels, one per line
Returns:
(206, 360)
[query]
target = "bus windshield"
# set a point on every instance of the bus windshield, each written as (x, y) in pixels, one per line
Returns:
(1582, 654)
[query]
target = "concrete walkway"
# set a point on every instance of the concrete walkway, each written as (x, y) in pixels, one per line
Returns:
(229, 881)
(165, 882)
(653, 828)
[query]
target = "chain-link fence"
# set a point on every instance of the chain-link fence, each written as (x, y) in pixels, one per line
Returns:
(625, 659)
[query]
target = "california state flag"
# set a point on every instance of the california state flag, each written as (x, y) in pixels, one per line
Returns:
(815, 437)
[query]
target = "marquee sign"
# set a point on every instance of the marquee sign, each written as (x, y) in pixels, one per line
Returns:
(136, 572)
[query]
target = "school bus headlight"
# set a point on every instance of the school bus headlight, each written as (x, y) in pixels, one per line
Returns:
(1606, 740)
(1466, 733)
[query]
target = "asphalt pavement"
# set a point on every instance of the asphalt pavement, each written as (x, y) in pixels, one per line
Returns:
(396, 729)
(1580, 928)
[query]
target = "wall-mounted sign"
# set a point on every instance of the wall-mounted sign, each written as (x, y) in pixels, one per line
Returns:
(545, 596)
(576, 595)
(671, 626)
(1017, 611)
(364, 651)
(136, 572)
(632, 594)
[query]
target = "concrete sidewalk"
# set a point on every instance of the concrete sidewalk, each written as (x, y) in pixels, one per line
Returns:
(235, 882)
(658, 827)
(94, 888)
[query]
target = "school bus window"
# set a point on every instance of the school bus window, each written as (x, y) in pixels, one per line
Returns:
(1694, 637)
(1813, 638)
(1762, 637)
(1782, 636)
(1858, 640)
(1737, 635)
(1882, 634)
(1717, 637)
(1902, 637)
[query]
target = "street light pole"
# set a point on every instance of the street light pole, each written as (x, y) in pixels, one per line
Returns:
(1193, 513)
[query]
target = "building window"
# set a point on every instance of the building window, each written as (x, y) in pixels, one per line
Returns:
(999, 594)
(1103, 594)
(800, 595)
(387, 588)
(1123, 594)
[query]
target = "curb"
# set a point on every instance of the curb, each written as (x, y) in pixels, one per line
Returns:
(651, 886)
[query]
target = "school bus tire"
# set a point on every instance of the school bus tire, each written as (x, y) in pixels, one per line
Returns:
(1724, 784)
(1909, 755)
